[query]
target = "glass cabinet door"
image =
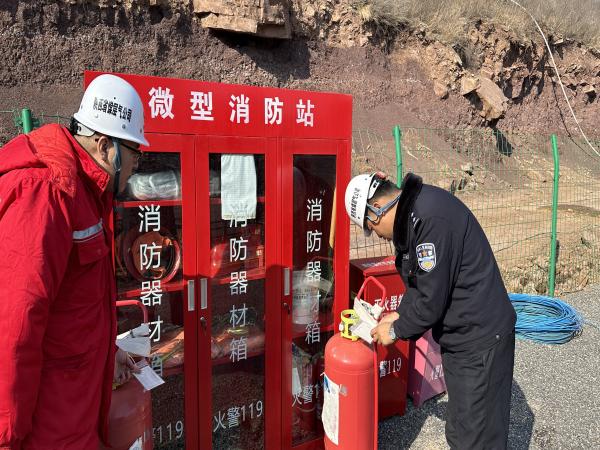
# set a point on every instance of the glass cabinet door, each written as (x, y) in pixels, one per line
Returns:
(311, 321)
(236, 206)
(151, 258)
(237, 292)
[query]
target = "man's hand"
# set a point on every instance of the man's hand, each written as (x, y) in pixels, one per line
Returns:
(390, 317)
(124, 366)
(381, 333)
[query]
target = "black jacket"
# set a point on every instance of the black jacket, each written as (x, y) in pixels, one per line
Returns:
(453, 284)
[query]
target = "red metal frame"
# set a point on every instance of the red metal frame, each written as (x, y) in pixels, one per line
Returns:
(136, 303)
(207, 145)
(330, 134)
(290, 148)
(332, 112)
(184, 145)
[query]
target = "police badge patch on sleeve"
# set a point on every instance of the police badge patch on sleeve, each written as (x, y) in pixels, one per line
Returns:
(426, 256)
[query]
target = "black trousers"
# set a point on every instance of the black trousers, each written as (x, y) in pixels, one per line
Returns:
(479, 388)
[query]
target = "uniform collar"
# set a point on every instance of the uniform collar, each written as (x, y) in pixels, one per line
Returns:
(97, 177)
(411, 187)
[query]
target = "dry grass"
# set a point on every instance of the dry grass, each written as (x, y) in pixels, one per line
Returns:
(576, 19)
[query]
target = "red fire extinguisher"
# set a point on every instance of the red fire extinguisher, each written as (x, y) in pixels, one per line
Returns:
(350, 387)
(130, 416)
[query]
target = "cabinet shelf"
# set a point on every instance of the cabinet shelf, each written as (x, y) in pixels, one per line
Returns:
(137, 203)
(217, 200)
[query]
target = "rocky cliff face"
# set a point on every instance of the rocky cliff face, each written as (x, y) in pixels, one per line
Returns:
(396, 76)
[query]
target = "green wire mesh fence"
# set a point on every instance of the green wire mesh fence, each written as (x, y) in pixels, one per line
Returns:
(370, 151)
(15, 121)
(507, 180)
(578, 210)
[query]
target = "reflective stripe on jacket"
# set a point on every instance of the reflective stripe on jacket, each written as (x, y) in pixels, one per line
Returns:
(57, 291)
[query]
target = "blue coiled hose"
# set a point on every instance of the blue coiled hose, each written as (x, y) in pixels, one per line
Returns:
(545, 320)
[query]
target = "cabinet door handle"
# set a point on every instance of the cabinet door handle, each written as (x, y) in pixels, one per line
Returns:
(191, 285)
(203, 293)
(203, 322)
(286, 307)
(286, 281)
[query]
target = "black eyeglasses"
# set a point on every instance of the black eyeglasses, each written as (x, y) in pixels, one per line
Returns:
(135, 150)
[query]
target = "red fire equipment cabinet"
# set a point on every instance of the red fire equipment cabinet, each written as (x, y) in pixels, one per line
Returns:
(233, 234)
(393, 360)
(413, 368)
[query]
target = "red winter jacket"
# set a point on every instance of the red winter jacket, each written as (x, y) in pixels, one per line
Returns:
(57, 290)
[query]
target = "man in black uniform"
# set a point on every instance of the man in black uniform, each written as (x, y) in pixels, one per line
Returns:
(454, 287)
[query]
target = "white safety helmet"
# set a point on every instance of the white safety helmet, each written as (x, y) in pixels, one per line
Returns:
(111, 106)
(358, 193)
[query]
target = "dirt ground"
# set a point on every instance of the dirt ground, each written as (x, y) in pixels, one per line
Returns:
(47, 44)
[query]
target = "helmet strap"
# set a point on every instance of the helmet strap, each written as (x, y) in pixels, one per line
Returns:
(116, 163)
(78, 129)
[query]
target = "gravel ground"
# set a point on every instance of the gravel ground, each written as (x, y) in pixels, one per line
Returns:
(555, 396)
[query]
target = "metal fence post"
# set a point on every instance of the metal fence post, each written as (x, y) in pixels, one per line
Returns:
(26, 120)
(552, 265)
(399, 168)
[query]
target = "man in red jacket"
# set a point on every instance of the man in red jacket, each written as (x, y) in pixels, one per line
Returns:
(57, 288)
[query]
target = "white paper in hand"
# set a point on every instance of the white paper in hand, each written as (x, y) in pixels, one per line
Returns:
(148, 377)
(363, 331)
(366, 322)
(136, 341)
(136, 346)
